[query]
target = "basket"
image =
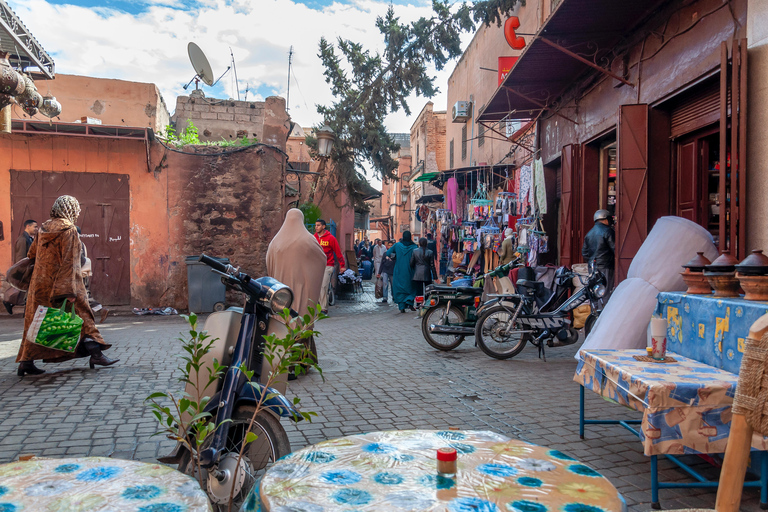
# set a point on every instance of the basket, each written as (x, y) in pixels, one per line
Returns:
(751, 398)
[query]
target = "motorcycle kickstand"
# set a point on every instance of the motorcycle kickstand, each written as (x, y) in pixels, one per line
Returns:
(540, 345)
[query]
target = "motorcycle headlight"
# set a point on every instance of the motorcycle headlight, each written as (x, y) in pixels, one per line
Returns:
(277, 296)
(599, 290)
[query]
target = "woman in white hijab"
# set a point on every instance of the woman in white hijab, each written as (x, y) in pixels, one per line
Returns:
(295, 259)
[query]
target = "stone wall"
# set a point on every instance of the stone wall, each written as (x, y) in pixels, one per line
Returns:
(218, 119)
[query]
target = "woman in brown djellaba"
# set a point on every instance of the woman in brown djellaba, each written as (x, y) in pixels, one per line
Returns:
(56, 277)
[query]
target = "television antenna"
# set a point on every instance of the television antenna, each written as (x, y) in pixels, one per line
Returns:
(203, 71)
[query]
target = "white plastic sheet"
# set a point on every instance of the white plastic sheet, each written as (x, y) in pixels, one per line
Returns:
(672, 243)
(623, 323)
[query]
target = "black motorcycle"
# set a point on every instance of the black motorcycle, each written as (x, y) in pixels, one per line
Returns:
(538, 315)
(452, 311)
(233, 404)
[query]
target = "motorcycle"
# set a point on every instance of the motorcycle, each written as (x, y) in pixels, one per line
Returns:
(234, 402)
(538, 315)
(452, 311)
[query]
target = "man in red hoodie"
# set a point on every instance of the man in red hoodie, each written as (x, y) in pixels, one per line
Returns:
(330, 246)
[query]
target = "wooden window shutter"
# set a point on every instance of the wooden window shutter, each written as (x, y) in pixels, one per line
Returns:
(632, 199)
(569, 173)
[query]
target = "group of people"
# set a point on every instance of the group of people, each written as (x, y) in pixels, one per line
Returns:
(406, 268)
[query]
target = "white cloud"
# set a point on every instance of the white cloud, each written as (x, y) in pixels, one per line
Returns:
(152, 46)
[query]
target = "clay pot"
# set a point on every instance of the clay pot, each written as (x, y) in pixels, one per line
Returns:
(697, 283)
(723, 263)
(698, 263)
(725, 284)
(755, 287)
(756, 264)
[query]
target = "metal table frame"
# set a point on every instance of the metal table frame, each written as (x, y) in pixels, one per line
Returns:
(762, 483)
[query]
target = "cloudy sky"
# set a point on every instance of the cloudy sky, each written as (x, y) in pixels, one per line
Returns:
(146, 41)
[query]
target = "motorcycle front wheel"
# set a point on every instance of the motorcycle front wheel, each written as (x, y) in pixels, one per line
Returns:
(436, 316)
(493, 337)
(271, 444)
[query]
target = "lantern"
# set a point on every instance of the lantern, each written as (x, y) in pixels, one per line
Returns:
(325, 139)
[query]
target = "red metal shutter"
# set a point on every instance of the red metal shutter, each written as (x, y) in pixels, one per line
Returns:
(700, 109)
(632, 200)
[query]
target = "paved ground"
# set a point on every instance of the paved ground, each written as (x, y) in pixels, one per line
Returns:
(379, 374)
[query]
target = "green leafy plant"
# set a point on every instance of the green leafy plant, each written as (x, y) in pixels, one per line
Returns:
(311, 213)
(182, 416)
(191, 136)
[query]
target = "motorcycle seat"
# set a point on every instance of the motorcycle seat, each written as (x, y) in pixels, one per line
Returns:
(469, 290)
(530, 285)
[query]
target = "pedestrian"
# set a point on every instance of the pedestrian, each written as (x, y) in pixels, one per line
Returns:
(86, 270)
(402, 286)
(56, 278)
(423, 265)
(333, 255)
(507, 251)
(386, 272)
(12, 296)
(431, 244)
(295, 259)
(600, 245)
(378, 254)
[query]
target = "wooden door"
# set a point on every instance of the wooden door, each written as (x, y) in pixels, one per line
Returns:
(632, 185)
(688, 180)
(104, 221)
(589, 197)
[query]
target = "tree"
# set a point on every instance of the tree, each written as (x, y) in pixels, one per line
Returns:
(368, 86)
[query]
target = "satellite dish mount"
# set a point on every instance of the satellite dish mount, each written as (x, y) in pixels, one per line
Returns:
(202, 67)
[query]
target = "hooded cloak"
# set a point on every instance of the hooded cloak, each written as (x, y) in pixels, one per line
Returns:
(296, 259)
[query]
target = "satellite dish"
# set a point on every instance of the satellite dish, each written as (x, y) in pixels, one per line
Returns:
(200, 63)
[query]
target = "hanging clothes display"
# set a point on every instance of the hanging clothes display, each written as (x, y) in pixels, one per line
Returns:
(541, 188)
(451, 199)
(525, 188)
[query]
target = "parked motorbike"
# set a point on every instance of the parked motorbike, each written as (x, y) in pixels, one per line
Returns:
(233, 404)
(538, 315)
(452, 311)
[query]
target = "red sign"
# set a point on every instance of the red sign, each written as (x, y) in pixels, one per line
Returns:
(505, 64)
(515, 41)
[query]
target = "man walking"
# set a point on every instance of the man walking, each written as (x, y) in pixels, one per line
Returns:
(378, 254)
(11, 296)
(599, 246)
(386, 271)
(330, 246)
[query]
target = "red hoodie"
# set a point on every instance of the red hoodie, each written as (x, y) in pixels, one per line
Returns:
(330, 246)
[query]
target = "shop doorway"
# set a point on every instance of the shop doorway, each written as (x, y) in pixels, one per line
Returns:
(697, 166)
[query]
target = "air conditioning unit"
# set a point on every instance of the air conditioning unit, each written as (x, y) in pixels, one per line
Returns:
(462, 111)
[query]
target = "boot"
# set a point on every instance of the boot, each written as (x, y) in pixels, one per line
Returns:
(28, 367)
(97, 358)
(8, 307)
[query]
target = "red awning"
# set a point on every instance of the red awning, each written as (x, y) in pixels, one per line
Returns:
(589, 29)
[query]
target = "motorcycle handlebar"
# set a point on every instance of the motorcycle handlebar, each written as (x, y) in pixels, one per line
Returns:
(214, 264)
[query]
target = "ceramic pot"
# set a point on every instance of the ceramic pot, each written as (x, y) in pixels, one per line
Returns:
(755, 287)
(756, 264)
(725, 284)
(698, 263)
(723, 263)
(697, 283)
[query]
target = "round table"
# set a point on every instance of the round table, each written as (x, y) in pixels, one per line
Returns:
(396, 470)
(97, 484)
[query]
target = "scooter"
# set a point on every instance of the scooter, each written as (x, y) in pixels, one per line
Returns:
(538, 315)
(452, 311)
(235, 399)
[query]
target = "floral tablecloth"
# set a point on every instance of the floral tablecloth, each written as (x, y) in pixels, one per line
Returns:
(686, 405)
(396, 470)
(97, 484)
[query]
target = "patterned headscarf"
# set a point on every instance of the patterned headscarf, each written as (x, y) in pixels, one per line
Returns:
(66, 207)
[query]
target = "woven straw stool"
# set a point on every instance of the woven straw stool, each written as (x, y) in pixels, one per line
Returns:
(750, 415)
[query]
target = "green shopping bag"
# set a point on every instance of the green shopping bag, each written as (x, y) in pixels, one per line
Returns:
(55, 328)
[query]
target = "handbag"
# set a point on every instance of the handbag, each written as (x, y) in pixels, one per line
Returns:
(56, 329)
(20, 274)
(379, 290)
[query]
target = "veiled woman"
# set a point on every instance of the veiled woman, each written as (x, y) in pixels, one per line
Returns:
(296, 259)
(57, 277)
(402, 285)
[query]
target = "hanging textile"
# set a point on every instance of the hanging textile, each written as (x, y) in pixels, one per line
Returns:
(541, 188)
(525, 187)
(451, 190)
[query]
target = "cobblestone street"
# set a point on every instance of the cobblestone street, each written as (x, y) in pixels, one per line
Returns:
(379, 374)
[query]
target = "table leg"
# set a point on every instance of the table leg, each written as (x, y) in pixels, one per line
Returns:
(764, 480)
(655, 483)
(581, 412)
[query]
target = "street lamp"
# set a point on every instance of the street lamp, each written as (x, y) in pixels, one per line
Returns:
(325, 139)
(404, 193)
